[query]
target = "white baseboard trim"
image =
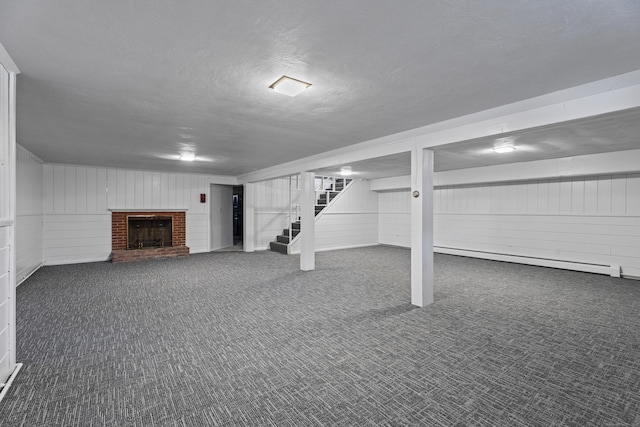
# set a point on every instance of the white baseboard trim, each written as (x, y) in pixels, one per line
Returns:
(6, 386)
(337, 248)
(26, 276)
(78, 261)
(608, 270)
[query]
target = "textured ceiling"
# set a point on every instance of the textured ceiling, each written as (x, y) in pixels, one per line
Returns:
(618, 131)
(132, 84)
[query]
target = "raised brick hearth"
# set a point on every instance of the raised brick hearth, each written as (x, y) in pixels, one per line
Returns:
(119, 250)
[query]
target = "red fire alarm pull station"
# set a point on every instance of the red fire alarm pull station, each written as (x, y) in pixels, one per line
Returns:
(203, 198)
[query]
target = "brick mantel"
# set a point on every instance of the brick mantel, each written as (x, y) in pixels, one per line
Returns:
(119, 250)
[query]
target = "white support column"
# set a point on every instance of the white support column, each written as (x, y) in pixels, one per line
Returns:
(421, 227)
(249, 217)
(307, 222)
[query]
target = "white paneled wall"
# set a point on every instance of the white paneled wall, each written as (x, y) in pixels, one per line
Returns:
(77, 199)
(6, 317)
(7, 222)
(394, 210)
(29, 214)
(593, 220)
(271, 210)
(351, 221)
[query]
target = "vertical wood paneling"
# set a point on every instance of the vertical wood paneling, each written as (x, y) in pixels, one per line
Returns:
(101, 190)
(58, 189)
(48, 188)
(543, 197)
(591, 196)
(394, 217)
(194, 197)
(29, 182)
(503, 198)
(619, 195)
(81, 189)
(485, 194)
(164, 192)
(271, 210)
(517, 198)
(633, 194)
(70, 183)
(147, 187)
(593, 220)
(577, 196)
(437, 204)
(112, 188)
(172, 191)
(472, 199)
(184, 191)
(532, 198)
(121, 189)
(554, 197)
(156, 190)
(30, 213)
(565, 196)
(458, 199)
(90, 192)
(604, 195)
(130, 190)
(139, 190)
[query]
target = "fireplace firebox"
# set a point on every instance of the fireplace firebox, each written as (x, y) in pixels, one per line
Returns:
(138, 235)
(149, 231)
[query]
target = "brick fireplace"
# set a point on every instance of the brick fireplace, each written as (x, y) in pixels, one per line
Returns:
(139, 235)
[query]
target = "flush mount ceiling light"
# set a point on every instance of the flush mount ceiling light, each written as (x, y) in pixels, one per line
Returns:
(504, 145)
(187, 157)
(504, 148)
(289, 86)
(346, 171)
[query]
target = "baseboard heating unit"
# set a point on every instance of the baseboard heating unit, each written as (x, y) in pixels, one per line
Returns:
(609, 270)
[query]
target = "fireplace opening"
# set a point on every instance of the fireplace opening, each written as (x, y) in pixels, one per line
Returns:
(145, 231)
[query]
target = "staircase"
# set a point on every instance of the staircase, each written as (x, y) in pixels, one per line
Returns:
(327, 188)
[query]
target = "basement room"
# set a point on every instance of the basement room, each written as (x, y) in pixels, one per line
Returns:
(320, 213)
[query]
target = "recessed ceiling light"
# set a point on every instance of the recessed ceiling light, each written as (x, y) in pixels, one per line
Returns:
(504, 148)
(187, 157)
(289, 86)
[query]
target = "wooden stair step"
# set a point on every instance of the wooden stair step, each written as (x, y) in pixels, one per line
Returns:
(278, 247)
(282, 239)
(294, 233)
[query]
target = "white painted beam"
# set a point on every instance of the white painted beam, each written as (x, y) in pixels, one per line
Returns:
(392, 183)
(603, 96)
(421, 227)
(618, 162)
(307, 222)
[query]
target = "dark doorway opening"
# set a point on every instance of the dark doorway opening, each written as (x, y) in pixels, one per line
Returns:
(238, 228)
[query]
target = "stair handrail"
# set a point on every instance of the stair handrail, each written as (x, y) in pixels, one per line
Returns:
(344, 187)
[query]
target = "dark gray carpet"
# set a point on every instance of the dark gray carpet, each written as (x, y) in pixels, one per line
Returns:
(247, 339)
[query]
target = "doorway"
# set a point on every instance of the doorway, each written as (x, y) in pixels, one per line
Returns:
(238, 225)
(225, 210)
(221, 216)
